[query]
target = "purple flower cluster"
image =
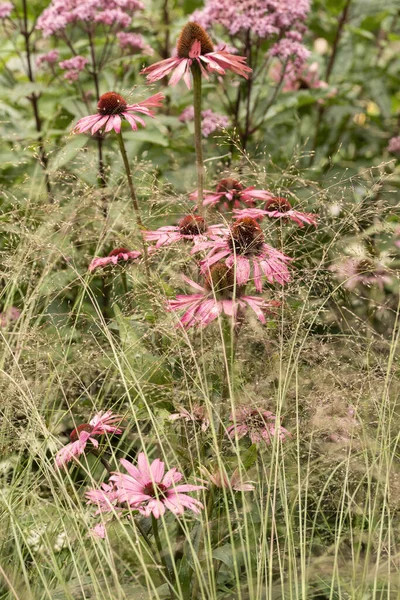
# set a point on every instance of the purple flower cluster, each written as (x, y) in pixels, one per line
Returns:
(281, 20)
(73, 66)
(211, 121)
(61, 13)
(47, 59)
(394, 145)
(134, 43)
(6, 9)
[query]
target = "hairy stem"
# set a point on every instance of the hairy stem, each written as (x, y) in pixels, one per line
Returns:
(197, 135)
(135, 203)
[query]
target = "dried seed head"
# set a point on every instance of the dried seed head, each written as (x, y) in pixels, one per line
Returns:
(74, 435)
(229, 185)
(220, 279)
(189, 34)
(366, 268)
(118, 251)
(111, 103)
(246, 236)
(192, 225)
(279, 204)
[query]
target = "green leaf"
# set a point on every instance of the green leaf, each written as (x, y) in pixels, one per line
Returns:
(67, 153)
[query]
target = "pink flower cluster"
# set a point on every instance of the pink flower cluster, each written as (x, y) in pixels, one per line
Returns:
(61, 13)
(6, 9)
(73, 66)
(394, 145)
(210, 123)
(47, 59)
(146, 488)
(134, 43)
(9, 315)
(281, 20)
(260, 425)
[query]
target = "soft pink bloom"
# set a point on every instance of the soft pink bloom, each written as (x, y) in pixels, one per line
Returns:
(102, 423)
(50, 58)
(216, 298)
(9, 315)
(366, 272)
(151, 491)
(307, 77)
(98, 531)
(278, 208)
(394, 145)
(230, 194)
(243, 249)
(119, 255)
(291, 52)
(74, 449)
(196, 415)
(106, 498)
(63, 13)
(221, 480)
(134, 43)
(211, 121)
(191, 227)
(6, 9)
(112, 109)
(77, 63)
(194, 47)
(259, 425)
(261, 18)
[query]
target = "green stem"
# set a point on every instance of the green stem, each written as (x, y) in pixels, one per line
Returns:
(134, 202)
(197, 134)
(154, 524)
(209, 511)
(124, 283)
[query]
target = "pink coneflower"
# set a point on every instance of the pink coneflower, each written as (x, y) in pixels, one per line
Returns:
(196, 415)
(151, 491)
(98, 531)
(191, 227)
(221, 480)
(243, 248)
(194, 47)
(278, 208)
(102, 423)
(365, 271)
(230, 194)
(117, 256)
(112, 108)
(106, 498)
(216, 298)
(258, 424)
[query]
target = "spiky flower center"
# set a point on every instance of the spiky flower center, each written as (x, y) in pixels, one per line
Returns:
(246, 236)
(221, 280)
(119, 251)
(192, 225)
(256, 421)
(155, 490)
(189, 34)
(111, 103)
(74, 435)
(279, 204)
(366, 268)
(230, 185)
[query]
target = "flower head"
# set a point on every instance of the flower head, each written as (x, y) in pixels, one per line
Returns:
(220, 479)
(243, 248)
(230, 194)
(196, 415)
(9, 315)
(133, 43)
(219, 296)
(106, 498)
(191, 227)
(196, 50)
(259, 425)
(211, 121)
(6, 9)
(278, 208)
(394, 145)
(112, 109)
(366, 271)
(48, 59)
(151, 491)
(102, 423)
(117, 256)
